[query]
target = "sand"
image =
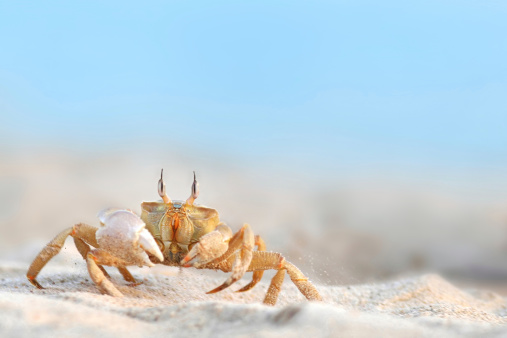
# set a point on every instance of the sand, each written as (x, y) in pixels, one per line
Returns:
(171, 302)
(352, 238)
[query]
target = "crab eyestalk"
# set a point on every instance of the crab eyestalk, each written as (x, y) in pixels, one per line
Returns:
(194, 192)
(161, 189)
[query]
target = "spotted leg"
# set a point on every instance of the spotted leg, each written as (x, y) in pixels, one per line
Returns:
(272, 260)
(257, 274)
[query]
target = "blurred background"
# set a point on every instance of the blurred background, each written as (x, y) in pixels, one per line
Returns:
(363, 140)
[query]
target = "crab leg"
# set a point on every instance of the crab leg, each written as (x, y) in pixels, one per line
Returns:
(94, 259)
(127, 276)
(213, 245)
(271, 260)
(244, 241)
(82, 231)
(263, 260)
(274, 288)
(218, 246)
(84, 236)
(48, 252)
(83, 249)
(257, 275)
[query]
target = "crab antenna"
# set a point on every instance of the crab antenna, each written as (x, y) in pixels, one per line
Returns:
(161, 188)
(194, 193)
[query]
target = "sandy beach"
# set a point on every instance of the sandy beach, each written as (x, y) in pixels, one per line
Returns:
(171, 302)
(377, 276)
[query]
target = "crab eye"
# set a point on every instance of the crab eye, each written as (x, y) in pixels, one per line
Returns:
(195, 188)
(194, 193)
(161, 185)
(161, 188)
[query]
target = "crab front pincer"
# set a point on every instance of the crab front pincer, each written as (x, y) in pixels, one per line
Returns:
(124, 235)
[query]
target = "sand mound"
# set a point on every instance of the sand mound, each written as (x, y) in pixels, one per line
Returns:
(425, 296)
(172, 302)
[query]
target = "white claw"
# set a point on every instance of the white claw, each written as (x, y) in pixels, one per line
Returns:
(123, 234)
(148, 244)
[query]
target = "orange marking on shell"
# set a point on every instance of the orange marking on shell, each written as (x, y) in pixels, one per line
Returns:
(175, 223)
(282, 260)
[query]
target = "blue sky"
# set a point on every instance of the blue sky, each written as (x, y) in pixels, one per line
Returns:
(323, 82)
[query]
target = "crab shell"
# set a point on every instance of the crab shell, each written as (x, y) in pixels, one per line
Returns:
(123, 234)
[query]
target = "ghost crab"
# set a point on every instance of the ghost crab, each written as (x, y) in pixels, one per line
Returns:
(174, 233)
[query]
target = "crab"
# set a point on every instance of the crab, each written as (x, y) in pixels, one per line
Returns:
(173, 233)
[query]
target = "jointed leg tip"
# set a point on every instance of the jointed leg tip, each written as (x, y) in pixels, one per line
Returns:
(246, 287)
(221, 287)
(34, 282)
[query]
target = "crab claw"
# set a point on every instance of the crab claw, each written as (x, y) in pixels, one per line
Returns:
(124, 235)
(210, 246)
(148, 244)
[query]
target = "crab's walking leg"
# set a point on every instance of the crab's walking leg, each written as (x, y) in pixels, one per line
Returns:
(257, 275)
(244, 241)
(94, 259)
(274, 288)
(271, 260)
(84, 236)
(83, 249)
(82, 231)
(48, 252)
(297, 277)
(128, 276)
